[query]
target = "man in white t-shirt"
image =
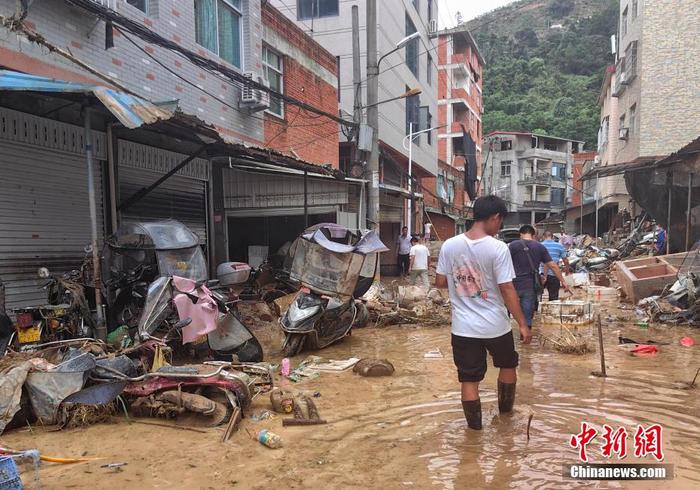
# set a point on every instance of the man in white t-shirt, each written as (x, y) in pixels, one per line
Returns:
(478, 271)
(420, 255)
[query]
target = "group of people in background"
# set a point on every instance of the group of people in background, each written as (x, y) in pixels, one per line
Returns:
(414, 258)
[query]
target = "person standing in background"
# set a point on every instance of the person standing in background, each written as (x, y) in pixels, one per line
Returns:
(403, 243)
(527, 254)
(420, 256)
(428, 231)
(558, 253)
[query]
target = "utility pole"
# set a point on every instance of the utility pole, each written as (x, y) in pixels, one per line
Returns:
(356, 74)
(373, 113)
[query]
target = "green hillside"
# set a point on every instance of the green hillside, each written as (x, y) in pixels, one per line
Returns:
(544, 65)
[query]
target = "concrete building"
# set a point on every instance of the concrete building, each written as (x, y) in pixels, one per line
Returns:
(532, 172)
(43, 170)
(329, 22)
(656, 77)
(460, 106)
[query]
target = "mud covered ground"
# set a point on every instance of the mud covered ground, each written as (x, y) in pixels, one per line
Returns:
(408, 430)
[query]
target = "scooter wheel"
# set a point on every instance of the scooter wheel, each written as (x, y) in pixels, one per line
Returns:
(293, 345)
(362, 317)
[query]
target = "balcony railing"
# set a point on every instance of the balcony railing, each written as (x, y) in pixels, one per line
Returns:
(537, 204)
(530, 178)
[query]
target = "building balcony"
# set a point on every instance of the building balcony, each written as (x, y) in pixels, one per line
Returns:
(459, 93)
(543, 154)
(545, 205)
(535, 179)
(456, 126)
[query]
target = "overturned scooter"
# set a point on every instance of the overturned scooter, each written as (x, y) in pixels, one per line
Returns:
(334, 266)
(192, 312)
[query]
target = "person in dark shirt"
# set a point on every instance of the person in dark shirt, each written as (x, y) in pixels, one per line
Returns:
(527, 254)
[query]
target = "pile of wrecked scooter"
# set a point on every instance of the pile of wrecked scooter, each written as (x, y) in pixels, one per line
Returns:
(176, 345)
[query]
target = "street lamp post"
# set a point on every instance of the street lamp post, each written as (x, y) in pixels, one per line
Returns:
(409, 139)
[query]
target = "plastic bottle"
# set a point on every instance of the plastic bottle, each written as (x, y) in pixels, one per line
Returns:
(286, 367)
(269, 439)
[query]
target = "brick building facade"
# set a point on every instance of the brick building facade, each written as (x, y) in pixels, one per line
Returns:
(460, 69)
(308, 74)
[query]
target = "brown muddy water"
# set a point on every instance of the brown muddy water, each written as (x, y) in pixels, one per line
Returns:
(408, 430)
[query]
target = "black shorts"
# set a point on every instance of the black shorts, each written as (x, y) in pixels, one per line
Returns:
(470, 355)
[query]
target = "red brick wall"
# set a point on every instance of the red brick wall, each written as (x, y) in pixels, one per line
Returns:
(442, 225)
(579, 160)
(313, 138)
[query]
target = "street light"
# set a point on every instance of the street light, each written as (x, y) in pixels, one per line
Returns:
(409, 93)
(399, 45)
(409, 139)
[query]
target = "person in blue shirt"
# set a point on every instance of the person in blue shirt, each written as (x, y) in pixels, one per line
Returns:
(660, 241)
(558, 253)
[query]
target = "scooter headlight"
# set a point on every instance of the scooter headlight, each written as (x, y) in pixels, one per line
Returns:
(297, 314)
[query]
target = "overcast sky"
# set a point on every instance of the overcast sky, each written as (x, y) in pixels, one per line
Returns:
(447, 9)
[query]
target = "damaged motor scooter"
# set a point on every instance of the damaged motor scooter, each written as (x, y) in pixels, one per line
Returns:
(334, 267)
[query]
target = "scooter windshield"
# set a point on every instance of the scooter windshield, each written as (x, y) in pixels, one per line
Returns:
(157, 306)
(184, 262)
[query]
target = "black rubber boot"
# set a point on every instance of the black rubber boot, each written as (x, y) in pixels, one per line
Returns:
(506, 397)
(472, 412)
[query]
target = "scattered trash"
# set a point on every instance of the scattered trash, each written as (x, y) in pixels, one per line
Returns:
(115, 467)
(264, 415)
(305, 369)
(567, 342)
(282, 400)
(642, 325)
(285, 367)
(305, 413)
(269, 439)
(566, 312)
(339, 365)
(687, 341)
(374, 367)
(433, 354)
(644, 349)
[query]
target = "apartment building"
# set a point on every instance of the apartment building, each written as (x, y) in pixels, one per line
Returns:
(655, 77)
(216, 197)
(532, 172)
(460, 106)
(329, 22)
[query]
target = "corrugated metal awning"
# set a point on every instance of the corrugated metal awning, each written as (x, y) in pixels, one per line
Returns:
(131, 111)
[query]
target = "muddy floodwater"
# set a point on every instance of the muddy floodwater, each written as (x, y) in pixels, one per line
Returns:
(408, 430)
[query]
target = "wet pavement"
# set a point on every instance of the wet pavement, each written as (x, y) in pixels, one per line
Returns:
(408, 430)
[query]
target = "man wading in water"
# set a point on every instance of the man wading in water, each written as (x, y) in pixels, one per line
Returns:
(478, 271)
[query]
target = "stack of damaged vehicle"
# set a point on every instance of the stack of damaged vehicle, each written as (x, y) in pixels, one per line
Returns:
(161, 308)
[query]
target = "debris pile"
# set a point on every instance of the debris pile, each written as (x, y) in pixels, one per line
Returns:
(399, 305)
(83, 382)
(567, 342)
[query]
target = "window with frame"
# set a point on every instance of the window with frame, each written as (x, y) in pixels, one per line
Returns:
(416, 5)
(412, 112)
(430, 11)
(428, 71)
(635, 9)
(622, 122)
(558, 197)
(450, 189)
(313, 9)
(411, 48)
(425, 121)
(633, 117)
(559, 171)
(273, 71)
(506, 145)
(505, 168)
(218, 28)
(623, 27)
(142, 5)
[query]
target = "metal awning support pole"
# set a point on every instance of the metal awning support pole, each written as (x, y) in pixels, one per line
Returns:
(597, 206)
(669, 183)
(581, 224)
(687, 213)
(306, 199)
(101, 329)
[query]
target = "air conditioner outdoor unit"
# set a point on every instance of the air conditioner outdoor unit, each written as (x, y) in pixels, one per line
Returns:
(110, 4)
(433, 26)
(624, 133)
(253, 98)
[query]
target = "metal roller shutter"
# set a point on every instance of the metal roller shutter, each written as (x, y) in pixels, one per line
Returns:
(181, 197)
(44, 217)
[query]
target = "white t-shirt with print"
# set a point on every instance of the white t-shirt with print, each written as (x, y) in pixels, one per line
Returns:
(474, 269)
(420, 254)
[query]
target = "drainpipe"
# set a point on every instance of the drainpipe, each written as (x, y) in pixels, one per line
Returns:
(669, 183)
(100, 330)
(112, 173)
(687, 213)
